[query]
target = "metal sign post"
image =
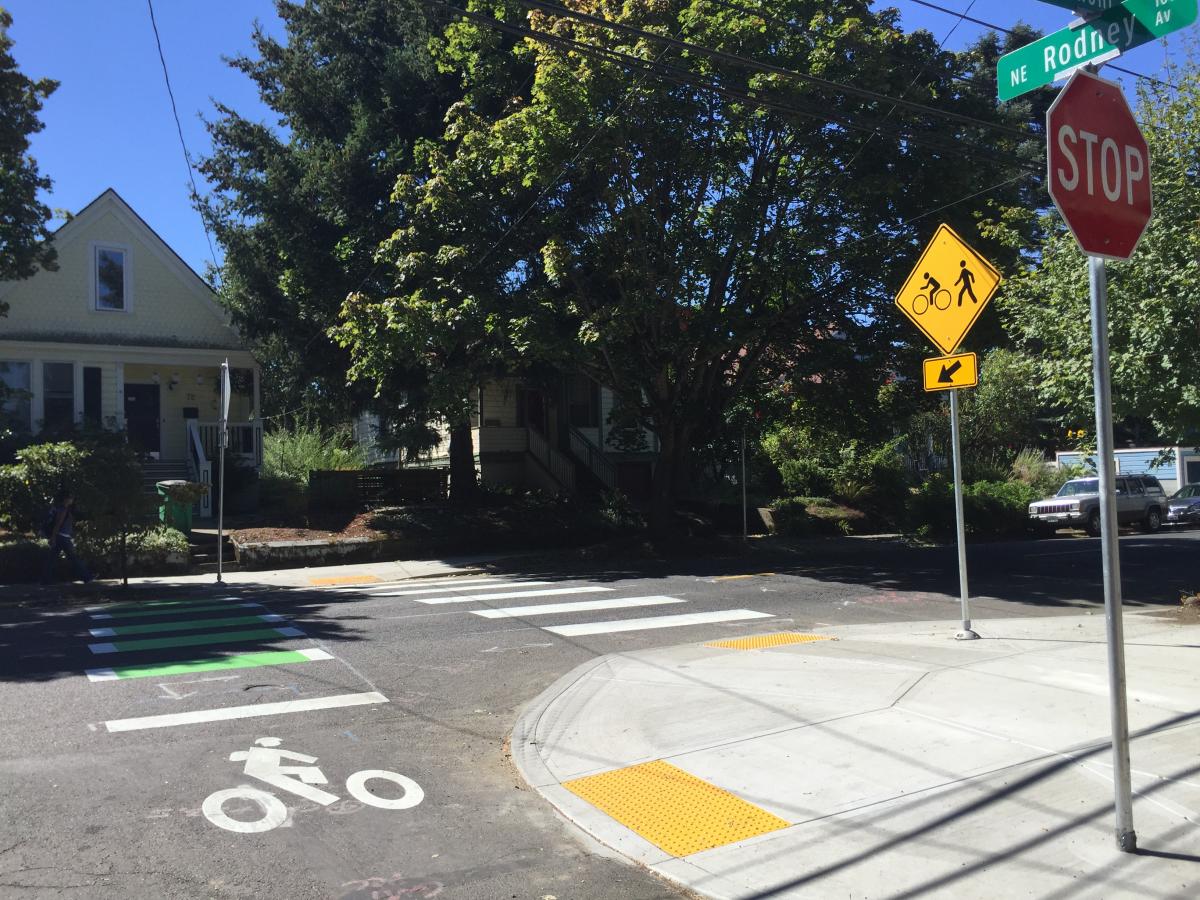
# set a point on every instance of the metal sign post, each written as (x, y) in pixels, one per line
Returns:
(965, 633)
(222, 441)
(1111, 559)
(745, 517)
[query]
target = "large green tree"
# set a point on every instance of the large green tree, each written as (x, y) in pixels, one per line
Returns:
(1153, 306)
(689, 222)
(301, 203)
(24, 238)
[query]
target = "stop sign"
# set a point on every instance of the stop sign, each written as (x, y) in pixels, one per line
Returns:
(1099, 166)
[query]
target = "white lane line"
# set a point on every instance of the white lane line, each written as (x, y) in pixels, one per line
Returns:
(582, 606)
(732, 615)
(245, 712)
(109, 674)
(438, 584)
(509, 595)
(504, 584)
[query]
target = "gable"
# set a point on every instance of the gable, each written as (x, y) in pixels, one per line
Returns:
(165, 303)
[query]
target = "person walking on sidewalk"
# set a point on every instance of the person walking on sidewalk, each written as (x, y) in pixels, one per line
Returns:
(60, 532)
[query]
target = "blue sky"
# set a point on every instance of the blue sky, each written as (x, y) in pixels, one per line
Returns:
(110, 125)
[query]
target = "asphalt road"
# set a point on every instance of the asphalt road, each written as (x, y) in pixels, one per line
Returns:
(104, 797)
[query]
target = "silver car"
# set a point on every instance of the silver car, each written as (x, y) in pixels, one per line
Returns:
(1183, 506)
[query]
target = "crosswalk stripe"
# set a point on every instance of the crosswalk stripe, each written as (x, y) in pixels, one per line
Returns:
(187, 625)
(703, 618)
(196, 640)
(145, 604)
(187, 611)
(187, 667)
(439, 584)
(514, 584)
(508, 595)
(245, 712)
(581, 606)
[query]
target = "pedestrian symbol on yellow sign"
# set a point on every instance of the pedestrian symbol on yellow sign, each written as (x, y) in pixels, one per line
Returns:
(944, 318)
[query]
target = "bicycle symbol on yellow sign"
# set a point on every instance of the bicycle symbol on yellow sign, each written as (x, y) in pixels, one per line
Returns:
(947, 264)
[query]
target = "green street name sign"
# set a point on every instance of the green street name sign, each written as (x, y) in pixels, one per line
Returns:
(1106, 35)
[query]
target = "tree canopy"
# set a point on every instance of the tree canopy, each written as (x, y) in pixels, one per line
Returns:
(683, 222)
(24, 238)
(300, 204)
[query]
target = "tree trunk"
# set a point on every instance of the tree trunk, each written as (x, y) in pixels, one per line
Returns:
(673, 445)
(462, 463)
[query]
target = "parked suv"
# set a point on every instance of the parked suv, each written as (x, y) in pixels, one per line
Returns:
(1140, 499)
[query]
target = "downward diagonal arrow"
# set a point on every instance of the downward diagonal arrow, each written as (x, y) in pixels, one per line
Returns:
(947, 375)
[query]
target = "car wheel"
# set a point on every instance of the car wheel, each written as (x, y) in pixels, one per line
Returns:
(1153, 520)
(1093, 523)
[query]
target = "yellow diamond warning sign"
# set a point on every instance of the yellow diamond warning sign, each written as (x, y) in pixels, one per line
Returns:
(947, 290)
(943, 373)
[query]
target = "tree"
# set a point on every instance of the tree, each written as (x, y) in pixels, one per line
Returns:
(690, 223)
(301, 205)
(1153, 308)
(24, 238)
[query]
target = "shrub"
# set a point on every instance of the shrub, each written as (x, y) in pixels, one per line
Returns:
(990, 508)
(816, 516)
(873, 479)
(293, 454)
(1030, 467)
(803, 477)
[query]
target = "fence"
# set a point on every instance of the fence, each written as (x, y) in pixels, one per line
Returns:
(366, 488)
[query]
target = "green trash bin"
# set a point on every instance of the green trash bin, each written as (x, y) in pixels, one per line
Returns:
(174, 513)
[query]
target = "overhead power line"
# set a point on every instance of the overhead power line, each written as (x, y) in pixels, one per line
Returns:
(187, 158)
(769, 69)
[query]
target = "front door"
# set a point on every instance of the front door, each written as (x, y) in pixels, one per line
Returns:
(142, 417)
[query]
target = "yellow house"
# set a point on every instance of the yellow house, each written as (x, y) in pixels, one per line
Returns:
(124, 335)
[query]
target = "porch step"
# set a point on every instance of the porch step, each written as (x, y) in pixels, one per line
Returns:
(154, 471)
(206, 568)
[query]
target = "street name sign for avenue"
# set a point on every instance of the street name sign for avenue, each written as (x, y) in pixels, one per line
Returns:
(1108, 32)
(947, 289)
(1098, 166)
(945, 373)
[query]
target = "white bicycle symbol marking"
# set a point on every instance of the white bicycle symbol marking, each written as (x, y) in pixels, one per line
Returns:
(264, 762)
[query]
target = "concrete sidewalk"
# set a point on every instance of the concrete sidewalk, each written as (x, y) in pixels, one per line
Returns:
(890, 762)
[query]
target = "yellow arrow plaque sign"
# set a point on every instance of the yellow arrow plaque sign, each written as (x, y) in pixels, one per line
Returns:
(943, 373)
(947, 290)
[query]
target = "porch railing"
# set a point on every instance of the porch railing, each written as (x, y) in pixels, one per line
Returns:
(245, 441)
(560, 468)
(593, 457)
(200, 468)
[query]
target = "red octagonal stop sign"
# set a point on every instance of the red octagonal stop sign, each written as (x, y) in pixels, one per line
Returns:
(1099, 166)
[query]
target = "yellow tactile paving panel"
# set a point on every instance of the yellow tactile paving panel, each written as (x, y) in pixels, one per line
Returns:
(762, 641)
(673, 810)
(346, 579)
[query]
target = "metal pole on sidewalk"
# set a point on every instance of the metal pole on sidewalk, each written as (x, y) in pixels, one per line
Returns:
(745, 518)
(222, 441)
(964, 632)
(1110, 552)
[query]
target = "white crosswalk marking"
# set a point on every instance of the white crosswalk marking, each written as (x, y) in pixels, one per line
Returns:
(508, 595)
(447, 590)
(581, 606)
(704, 618)
(395, 585)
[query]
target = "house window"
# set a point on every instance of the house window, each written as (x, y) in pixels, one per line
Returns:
(111, 279)
(58, 392)
(14, 396)
(583, 402)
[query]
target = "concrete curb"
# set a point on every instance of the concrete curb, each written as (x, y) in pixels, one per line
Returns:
(615, 839)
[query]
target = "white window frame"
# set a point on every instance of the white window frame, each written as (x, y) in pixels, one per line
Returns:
(94, 269)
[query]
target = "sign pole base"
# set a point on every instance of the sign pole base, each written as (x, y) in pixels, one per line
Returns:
(965, 633)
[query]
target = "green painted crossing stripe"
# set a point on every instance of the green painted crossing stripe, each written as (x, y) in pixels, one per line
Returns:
(238, 661)
(172, 611)
(196, 640)
(186, 625)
